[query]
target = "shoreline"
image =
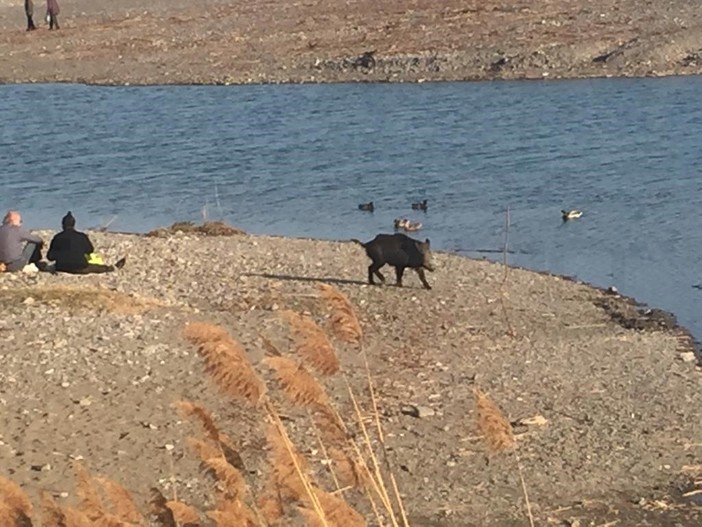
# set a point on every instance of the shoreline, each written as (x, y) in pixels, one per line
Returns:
(159, 83)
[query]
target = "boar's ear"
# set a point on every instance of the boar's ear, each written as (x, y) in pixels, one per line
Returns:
(427, 242)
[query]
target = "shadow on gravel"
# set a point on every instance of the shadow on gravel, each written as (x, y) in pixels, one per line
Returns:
(291, 278)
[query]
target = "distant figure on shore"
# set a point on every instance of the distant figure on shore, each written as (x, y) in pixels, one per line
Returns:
(73, 251)
(52, 13)
(420, 205)
(18, 246)
(367, 206)
(29, 11)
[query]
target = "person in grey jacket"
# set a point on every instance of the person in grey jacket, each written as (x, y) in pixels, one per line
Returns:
(18, 246)
(29, 11)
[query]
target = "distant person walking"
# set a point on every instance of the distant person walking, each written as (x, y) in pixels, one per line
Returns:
(52, 12)
(29, 11)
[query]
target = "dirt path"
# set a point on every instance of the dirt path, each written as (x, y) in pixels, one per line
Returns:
(213, 41)
(606, 418)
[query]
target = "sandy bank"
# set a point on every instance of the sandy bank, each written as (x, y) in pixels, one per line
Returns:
(619, 438)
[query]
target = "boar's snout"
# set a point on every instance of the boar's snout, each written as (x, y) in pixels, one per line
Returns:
(427, 258)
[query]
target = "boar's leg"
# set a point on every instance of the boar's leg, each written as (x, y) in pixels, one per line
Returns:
(423, 278)
(399, 271)
(374, 269)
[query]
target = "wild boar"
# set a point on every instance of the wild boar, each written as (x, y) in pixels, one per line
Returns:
(401, 252)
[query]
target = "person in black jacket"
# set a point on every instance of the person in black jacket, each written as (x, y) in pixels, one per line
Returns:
(70, 249)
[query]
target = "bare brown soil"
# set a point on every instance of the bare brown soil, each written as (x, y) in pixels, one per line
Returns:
(214, 41)
(601, 395)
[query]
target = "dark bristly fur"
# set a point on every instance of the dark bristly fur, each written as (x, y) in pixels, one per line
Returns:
(401, 252)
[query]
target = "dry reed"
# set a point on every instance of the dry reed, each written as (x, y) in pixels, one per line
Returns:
(190, 409)
(14, 497)
(121, 499)
(344, 321)
(158, 505)
(90, 502)
(183, 514)
(311, 343)
(492, 423)
(51, 513)
(297, 383)
(230, 477)
(226, 362)
(233, 513)
(347, 469)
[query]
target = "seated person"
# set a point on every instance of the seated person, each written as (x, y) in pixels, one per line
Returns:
(14, 252)
(70, 249)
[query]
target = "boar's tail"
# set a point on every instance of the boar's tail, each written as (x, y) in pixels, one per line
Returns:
(359, 242)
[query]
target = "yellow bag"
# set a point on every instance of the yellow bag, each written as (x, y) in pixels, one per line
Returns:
(94, 258)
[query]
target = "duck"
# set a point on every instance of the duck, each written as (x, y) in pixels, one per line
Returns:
(420, 205)
(400, 223)
(412, 226)
(571, 214)
(367, 206)
(407, 225)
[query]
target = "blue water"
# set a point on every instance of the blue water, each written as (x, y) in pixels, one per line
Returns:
(296, 160)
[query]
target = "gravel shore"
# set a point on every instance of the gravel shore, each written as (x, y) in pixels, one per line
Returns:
(603, 397)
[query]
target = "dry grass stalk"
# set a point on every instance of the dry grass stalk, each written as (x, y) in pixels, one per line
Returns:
(231, 478)
(298, 384)
(270, 348)
(288, 467)
(14, 497)
(347, 469)
(123, 504)
(344, 320)
(158, 508)
(203, 449)
(271, 506)
(90, 502)
(11, 517)
(225, 444)
(183, 513)
(328, 421)
(190, 409)
(51, 513)
(226, 362)
(337, 511)
(297, 482)
(493, 424)
(233, 513)
(312, 344)
(376, 476)
(76, 518)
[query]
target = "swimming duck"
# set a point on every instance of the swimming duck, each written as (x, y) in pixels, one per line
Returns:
(420, 205)
(571, 214)
(412, 226)
(407, 225)
(367, 206)
(400, 223)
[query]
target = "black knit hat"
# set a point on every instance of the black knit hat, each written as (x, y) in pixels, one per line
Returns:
(68, 221)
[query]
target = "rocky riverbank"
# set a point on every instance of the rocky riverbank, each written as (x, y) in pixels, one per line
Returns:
(603, 404)
(218, 42)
